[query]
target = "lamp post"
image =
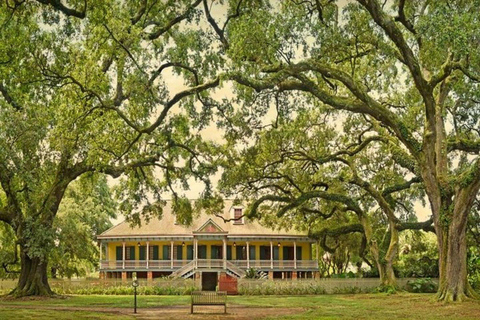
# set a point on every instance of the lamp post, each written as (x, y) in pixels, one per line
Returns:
(135, 285)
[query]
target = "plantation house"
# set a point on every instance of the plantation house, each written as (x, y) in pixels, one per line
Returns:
(206, 249)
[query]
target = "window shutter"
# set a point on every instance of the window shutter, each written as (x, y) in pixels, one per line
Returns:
(276, 253)
(166, 252)
(130, 254)
(252, 253)
(265, 253)
(202, 252)
(229, 252)
(155, 255)
(179, 253)
(299, 253)
(142, 253)
(240, 251)
(189, 252)
(119, 253)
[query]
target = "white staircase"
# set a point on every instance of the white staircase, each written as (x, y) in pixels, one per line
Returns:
(190, 268)
(234, 270)
(185, 271)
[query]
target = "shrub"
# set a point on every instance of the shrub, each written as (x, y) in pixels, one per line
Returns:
(386, 289)
(425, 285)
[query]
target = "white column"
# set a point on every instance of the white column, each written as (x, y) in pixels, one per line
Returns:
(294, 254)
(148, 252)
(123, 256)
(101, 249)
(271, 255)
(248, 254)
(224, 253)
(171, 254)
(195, 247)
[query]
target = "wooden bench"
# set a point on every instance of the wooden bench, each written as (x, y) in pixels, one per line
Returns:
(209, 298)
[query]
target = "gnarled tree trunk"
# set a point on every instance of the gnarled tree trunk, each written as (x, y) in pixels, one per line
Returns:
(33, 278)
(453, 281)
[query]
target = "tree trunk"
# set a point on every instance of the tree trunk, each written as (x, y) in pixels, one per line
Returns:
(450, 219)
(453, 283)
(33, 278)
(384, 264)
(389, 274)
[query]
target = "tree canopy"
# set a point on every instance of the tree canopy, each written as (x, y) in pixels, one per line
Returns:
(411, 67)
(92, 87)
(93, 92)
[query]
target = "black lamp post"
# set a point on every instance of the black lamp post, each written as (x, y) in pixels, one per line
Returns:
(135, 285)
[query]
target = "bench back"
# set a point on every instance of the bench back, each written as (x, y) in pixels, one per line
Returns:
(209, 297)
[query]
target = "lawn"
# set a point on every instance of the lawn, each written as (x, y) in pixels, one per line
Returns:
(358, 306)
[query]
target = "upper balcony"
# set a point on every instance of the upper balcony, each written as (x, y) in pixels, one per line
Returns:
(172, 265)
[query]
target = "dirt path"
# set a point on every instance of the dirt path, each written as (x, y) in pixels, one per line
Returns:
(234, 312)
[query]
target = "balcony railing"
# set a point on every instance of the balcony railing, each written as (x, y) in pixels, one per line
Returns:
(142, 264)
(207, 264)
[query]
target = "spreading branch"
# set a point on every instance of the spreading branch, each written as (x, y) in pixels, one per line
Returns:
(58, 5)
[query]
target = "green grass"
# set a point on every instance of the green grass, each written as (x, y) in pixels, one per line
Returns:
(355, 306)
(31, 314)
(104, 301)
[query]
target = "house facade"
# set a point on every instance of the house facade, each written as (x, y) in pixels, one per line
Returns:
(211, 246)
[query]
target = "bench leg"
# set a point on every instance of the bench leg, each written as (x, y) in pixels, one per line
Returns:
(191, 308)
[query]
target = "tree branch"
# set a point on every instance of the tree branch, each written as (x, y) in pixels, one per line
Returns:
(157, 33)
(9, 98)
(332, 232)
(426, 226)
(58, 5)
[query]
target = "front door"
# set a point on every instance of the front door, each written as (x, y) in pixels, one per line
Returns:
(209, 281)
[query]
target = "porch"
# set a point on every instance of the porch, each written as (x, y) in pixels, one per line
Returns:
(171, 265)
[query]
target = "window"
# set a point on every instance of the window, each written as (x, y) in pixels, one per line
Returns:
(130, 253)
(238, 216)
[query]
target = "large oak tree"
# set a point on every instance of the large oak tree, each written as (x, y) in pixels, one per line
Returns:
(410, 65)
(114, 87)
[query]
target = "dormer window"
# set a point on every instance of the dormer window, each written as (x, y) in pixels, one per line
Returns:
(238, 216)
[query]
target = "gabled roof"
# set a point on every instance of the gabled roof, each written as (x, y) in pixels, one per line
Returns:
(211, 227)
(167, 226)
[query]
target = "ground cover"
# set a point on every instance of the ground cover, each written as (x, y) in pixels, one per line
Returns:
(355, 306)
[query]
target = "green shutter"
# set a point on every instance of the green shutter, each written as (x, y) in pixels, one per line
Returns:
(202, 252)
(252, 253)
(276, 253)
(189, 252)
(299, 253)
(119, 253)
(142, 253)
(265, 253)
(180, 252)
(166, 252)
(132, 253)
(229, 252)
(239, 250)
(155, 253)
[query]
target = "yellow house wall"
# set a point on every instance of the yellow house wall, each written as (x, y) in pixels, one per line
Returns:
(306, 252)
